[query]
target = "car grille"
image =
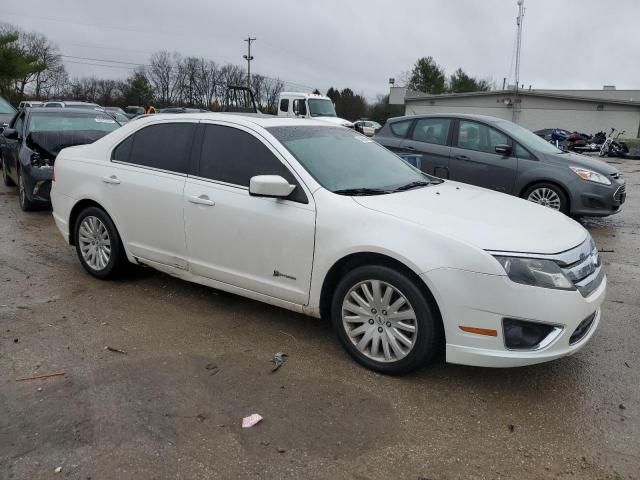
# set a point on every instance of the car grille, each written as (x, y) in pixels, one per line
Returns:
(582, 329)
(583, 266)
(621, 194)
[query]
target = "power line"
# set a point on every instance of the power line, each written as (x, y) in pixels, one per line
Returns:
(108, 61)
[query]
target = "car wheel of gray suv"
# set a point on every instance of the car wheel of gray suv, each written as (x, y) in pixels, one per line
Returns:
(384, 320)
(98, 244)
(547, 195)
(5, 178)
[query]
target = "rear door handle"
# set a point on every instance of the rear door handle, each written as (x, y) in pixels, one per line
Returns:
(112, 179)
(202, 200)
(462, 157)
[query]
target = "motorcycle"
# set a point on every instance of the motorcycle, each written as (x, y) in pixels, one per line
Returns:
(612, 147)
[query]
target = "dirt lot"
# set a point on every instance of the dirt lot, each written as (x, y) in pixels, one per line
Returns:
(158, 412)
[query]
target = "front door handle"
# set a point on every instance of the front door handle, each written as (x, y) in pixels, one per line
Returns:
(202, 200)
(462, 157)
(112, 179)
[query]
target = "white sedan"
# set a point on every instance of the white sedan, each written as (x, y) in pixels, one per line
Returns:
(321, 220)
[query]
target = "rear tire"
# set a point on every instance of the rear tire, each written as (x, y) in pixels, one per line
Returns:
(384, 320)
(98, 244)
(548, 195)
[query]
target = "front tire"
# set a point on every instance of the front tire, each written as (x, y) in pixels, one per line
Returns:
(548, 195)
(98, 244)
(23, 199)
(384, 320)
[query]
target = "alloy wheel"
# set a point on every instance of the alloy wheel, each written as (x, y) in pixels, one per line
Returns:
(379, 321)
(94, 243)
(546, 197)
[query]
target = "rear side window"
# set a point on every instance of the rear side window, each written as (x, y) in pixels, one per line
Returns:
(432, 130)
(399, 129)
(166, 147)
(284, 105)
(233, 156)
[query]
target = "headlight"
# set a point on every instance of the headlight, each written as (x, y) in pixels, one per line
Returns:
(536, 272)
(590, 175)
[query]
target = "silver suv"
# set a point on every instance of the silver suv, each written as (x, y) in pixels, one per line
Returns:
(497, 154)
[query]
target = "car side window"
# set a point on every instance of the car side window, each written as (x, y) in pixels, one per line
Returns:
(19, 124)
(166, 146)
(521, 152)
(234, 156)
(399, 129)
(479, 137)
(300, 106)
(284, 105)
(432, 130)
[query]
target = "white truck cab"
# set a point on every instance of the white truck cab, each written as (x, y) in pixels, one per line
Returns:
(309, 105)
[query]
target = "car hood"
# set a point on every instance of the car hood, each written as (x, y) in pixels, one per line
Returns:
(486, 219)
(583, 161)
(335, 120)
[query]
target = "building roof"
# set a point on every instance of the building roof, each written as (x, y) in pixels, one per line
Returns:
(417, 96)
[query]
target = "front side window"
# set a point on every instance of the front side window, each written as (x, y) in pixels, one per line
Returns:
(321, 107)
(522, 152)
(299, 107)
(166, 146)
(284, 105)
(340, 159)
(399, 129)
(479, 137)
(432, 130)
(233, 156)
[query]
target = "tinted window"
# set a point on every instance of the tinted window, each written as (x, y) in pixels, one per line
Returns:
(122, 153)
(166, 146)
(431, 130)
(521, 152)
(399, 129)
(233, 156)
(479, 137)
(300, 107)
(284, 105)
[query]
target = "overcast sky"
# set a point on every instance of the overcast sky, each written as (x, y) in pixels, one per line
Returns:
(355, 43)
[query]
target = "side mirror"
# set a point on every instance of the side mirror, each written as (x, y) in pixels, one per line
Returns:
(503, 149)
(10, 133)
(273, 186)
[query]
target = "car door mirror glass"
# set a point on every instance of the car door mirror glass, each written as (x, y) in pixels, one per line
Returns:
(270, 186)
(503, 149)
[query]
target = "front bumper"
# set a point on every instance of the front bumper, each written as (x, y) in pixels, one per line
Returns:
(599, 200)
(483, 301)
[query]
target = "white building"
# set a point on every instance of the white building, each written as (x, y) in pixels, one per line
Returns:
(586, 111)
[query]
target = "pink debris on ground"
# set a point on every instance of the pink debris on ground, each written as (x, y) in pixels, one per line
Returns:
(251, 420)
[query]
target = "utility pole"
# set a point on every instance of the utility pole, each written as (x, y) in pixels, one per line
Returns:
(516, 103)
(248, 58)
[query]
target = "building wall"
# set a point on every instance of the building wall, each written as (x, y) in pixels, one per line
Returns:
(539, 112)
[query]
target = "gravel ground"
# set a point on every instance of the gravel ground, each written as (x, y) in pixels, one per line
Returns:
(158, 412)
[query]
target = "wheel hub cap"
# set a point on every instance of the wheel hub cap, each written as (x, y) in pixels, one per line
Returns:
(94, 242)
(387, 336)
(545, 197)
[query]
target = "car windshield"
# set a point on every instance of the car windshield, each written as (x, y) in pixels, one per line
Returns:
(5, 107)
(321, 107)
(346, 162)
(65, 121)
(527, 138)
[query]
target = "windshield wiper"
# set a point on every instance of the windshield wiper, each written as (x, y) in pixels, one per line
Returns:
(361, 191)
(410, 185)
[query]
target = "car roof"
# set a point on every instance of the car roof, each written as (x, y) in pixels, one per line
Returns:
(262, 120)
(468, 116)
(52, 110)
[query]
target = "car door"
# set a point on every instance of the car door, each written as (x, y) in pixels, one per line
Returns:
(429, 138)
(260, 244)
(474, 159)
(11, 147)
(144, 185)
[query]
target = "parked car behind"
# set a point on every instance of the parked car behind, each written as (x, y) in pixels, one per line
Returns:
(500, 155)
(29, 104)
(33, 139)
(366, 127)
(133, 111)
(6, 112)
(402, 262)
